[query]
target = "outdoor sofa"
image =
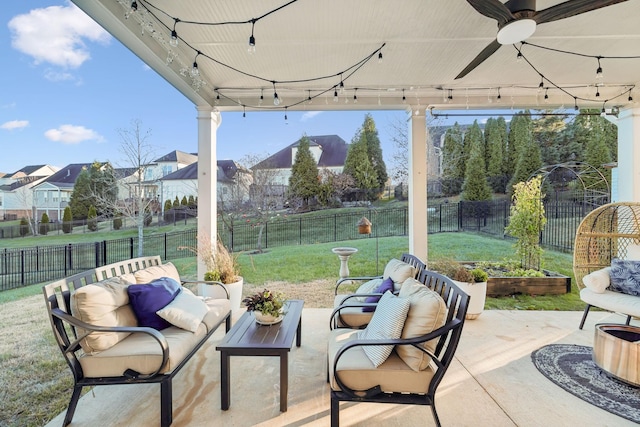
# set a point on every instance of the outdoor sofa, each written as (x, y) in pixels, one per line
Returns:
(130, 322)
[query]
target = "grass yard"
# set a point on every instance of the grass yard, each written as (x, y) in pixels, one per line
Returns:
(35, 382)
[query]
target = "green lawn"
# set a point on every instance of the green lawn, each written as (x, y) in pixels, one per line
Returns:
(301, 264)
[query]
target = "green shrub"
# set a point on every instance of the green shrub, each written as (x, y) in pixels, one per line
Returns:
(67, 221)
(24, 226)
(117, 221)
(44, 224)
(92, 219)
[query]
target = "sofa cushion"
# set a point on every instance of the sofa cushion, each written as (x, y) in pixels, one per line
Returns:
(352, 317)
(367, 287)
(625, 276)
(598, 281)
(427, 312)
(398, 271)
(357, 372)
(386, 323)
(147, 299)
(150, 274)
(105, 303)
(386, 285)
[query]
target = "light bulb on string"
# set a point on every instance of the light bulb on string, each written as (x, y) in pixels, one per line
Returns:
(603, 113)
(309, 99)
(404, 98)
(546, 95)
(217, 98)
(575, 104)
(341, 86)
(597, 92)
(252, 40)
(195, 72)
(335, 96)
(599, 70)
(261, 97)
(285, 116)
(276, 100)
(134, 6)
(541, 85)
(244, 112)
(355, 97)
(450, 96)
(173, 40)
(519, 57)
(630, 98)
(380, 58)
(499, 97)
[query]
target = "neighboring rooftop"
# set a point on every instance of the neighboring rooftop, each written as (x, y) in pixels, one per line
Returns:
(334, 153)
(179, 157)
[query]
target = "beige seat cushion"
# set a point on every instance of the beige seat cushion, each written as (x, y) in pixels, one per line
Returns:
(398, 271)
(142, 353)
(105, 303)
(150, 274)
(352, 317)
(427, 312)
(358, 373)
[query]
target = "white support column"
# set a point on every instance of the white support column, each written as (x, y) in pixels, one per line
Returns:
(418, 186)
(629, 155)
(208, 121)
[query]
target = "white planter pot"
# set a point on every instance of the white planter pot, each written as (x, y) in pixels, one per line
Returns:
(215, 291)
(478, 294)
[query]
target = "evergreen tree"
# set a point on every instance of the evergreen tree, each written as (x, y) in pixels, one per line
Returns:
(452, 161)
(519, 136)
(358, 166)
(44, 224)
(67, 221)
(547, 132)
(117, 221)
(369, 133)
(530, 161)
(597, 154)
(97, 186)
(81, 196)
(475, 187)
(184, 202)
(176, 203)
(92, 219)
(303, 182)
(24, 226)
(192, 202)
(496, 141)
(168, 215)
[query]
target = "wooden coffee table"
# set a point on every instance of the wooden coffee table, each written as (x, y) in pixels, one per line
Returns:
(248, 338)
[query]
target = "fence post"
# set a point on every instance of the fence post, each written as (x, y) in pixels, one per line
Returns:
(104, 252)
(300, 230)
(165, 246)
(22, 272)
(97, 253)
(130, 247)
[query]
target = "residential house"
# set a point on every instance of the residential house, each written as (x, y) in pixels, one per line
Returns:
(233, 183)
(152, 173)
(16, 196)
(329, 152)
(53, 194)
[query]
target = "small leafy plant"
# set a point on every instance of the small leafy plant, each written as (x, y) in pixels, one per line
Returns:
(266, 302)
(459, 272)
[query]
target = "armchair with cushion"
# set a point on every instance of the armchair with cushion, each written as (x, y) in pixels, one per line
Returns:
(356, 309)
(404, 352)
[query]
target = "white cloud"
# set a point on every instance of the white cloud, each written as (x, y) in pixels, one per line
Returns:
(15, 124)
(56, 76)
(56, 35)
(69, 134)
(309, 115)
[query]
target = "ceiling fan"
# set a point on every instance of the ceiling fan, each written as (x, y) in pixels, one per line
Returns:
(517, 20)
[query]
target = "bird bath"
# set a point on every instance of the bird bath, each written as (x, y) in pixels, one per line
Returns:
(344, 254)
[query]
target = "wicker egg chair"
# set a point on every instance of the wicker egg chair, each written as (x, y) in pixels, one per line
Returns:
(605, 233)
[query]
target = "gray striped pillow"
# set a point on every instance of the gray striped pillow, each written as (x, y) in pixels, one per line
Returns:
(387, 323)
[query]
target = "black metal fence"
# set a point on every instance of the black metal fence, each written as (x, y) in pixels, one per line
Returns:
(20, 267)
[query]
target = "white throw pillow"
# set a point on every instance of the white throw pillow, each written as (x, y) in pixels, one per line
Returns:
(387, 323)
(427, 312)
(399, 272)
(598, 281)
(633, 253)
(186, 311)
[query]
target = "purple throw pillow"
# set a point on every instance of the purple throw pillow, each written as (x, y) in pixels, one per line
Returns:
(386, 285)
(146, 299)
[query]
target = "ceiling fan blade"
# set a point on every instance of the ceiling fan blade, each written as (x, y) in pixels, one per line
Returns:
(571, 8)
(482, 56)
(492, 9)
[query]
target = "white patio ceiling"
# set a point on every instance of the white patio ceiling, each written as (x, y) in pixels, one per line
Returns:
(425, 45)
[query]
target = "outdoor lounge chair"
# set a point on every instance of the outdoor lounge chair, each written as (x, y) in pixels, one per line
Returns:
(353, 377)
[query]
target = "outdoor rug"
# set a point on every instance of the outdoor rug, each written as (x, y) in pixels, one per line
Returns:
(572, 368)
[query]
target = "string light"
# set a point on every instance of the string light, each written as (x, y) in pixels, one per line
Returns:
(597, 91)
(341, 85)
(450, 96)
(546, 95)
(404, 98)
(285, 115)
(252, 40)
(380, 58)
(309, 99)
(599, 70)
(575, 103)
(630, 99)
(335, 95)
(195, 72)
(355, 97)
(217, 98)
(173, 40)
(244, 113)
(499, 97)
(541, 85)
(519, 57)
(261, 97)
(276, 100)
(134, 6)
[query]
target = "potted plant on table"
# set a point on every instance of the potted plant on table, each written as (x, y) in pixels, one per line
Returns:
(472, 281)
(267, 306)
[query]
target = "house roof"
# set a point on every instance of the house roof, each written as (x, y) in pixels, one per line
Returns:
(125, 172)
(227, 170)
(66, 177)
(27, 170)
(179, 157)
(20, 182)
(334, 153)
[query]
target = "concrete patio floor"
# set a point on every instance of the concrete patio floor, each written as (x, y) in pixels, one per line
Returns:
(492, 382)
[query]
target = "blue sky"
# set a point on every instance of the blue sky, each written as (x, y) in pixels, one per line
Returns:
(67, 87)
